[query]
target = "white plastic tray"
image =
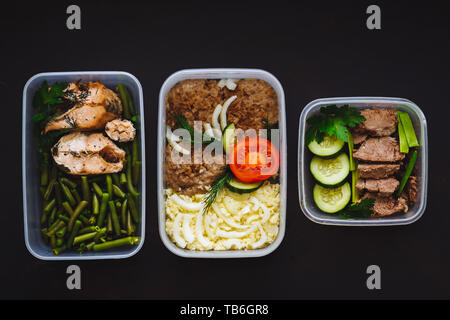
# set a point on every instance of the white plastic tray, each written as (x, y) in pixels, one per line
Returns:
(306, 181)
(32, 202)
(220, 74)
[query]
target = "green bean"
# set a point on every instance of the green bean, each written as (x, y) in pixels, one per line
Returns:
(121, 90)
(58, 195)
(76, 227)
(49, 190)
(52, 217)
(44, 171)
(97, 189)
(59, 250)
(89, 229)
(76, 213)
(124, 212)
(53, 173)
(67, 193)
(95, 204)
(68, 182)
(67, 208)
(63, 218)
(53, 229)
(44, 217)
(109, 226)
(83, 219)
(134, 152)
(84, 237)
(53, 241)
(136, 171)
(129, 179)
(61, 232)
(129, 101)
(90, 245)
(59, 242)
(130, 226)
(114, 218)
(133, 208)
(116, 243)
(116, 179)
(118, 192)
(76, 195)
(103, 206)
(50, 205)
(109, 186)
(85, 189)
(42, 190)
(123, 178)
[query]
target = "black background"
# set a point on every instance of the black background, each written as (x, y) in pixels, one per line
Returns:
(315, 50)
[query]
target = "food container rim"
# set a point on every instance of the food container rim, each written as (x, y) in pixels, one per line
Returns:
(96, 256)
(366, 222)
(218, 73)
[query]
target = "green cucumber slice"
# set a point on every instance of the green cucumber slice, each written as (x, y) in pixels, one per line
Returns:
(330, 146)
(238, 186)
(332, 200)
(229, 137)
(330, 172)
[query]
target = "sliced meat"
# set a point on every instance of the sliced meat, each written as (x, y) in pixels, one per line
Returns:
(377, 171)
(385, 149)
(193, 176)
(95, 105)
(411, 189)
(379, 122)
(120, 130)
(382, 187)
(81, 153)
(385, 206)
(359, 138)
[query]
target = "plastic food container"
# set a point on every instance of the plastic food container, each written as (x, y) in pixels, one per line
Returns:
(306, 181)
(219, 74)
(32, 200)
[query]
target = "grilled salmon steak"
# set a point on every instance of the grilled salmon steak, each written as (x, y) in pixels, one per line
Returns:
(93, 106)
(82, 153)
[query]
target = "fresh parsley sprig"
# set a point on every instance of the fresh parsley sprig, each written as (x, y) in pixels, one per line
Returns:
(362, 209)
(332, 120)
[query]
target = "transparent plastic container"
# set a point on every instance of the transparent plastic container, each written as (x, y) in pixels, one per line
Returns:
(219, 74)
(32, 200)
(306, 181)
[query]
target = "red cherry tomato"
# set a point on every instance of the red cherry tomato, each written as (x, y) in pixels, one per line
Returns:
(254, 159)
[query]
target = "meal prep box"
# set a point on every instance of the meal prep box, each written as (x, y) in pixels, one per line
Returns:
(306, 181)
(32, 200)
(219, 74)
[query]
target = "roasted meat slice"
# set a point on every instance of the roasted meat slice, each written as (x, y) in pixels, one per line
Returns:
(382, 187)
(379, 122)
(377, 171)
(82, 153)
(385, 206)
(94, 106)
(411, 189)
(359, 138)
(385, 149)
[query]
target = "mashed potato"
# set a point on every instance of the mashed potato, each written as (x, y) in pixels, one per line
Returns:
(234, 221)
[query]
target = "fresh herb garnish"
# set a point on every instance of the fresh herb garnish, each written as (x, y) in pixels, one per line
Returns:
(332, 120)
(362, 209)
(46, 101)
(183, 123)
(216, 187)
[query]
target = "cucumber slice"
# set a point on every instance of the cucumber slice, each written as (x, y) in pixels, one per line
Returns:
(330, 172)
(229, 137)
(328, 147)
(238, 186)
(332, 200)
